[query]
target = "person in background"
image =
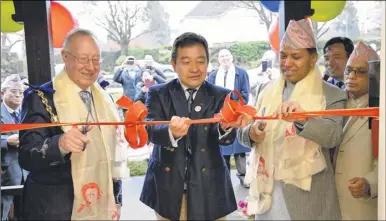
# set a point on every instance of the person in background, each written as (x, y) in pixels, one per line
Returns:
(12, 174)
(290, 171)
(232, 77)
(144, 85)
(265, 72)
(356, 171)
(154, 71)
(128, 74)
(336, 51)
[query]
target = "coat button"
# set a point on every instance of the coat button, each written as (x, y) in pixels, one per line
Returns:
(202, 149)
(203, 169)
(167, 169)
(206, 128)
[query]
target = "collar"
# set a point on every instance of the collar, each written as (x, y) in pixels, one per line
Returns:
(185, 87)
(359, 102)
(10, 110)
(231, 67)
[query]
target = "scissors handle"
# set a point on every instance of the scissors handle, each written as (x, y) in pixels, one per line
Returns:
(261, 126)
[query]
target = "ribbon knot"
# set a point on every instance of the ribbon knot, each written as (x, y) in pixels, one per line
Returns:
(135, 134)
(233, 109)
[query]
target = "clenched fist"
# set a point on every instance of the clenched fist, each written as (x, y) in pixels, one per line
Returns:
(357, 187)
(179, 126)
(256, 132)
(73, 140)
(13, 140)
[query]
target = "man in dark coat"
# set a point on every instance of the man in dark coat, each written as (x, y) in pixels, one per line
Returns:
(48, 153)
(187, 178)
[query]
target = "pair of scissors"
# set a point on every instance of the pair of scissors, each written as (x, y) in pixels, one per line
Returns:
(261, 126)
(84, 129)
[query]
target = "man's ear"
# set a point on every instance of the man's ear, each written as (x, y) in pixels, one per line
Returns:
(173, 65)
(64, 55)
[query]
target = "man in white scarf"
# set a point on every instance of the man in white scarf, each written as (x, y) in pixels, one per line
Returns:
(232, 77)
(75, 172)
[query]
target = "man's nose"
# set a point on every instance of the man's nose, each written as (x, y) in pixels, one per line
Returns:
(287, 62)
(194, 67)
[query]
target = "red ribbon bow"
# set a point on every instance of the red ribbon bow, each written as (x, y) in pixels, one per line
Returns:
(233, 109)
(135, 134)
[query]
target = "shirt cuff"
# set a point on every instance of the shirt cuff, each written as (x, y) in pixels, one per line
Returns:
(173, 140)
(63, 152)
(300, 127)
(367, 189)
(225, 134)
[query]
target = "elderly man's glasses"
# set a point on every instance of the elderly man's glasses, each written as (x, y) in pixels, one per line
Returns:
(358, 72)
(86, 60)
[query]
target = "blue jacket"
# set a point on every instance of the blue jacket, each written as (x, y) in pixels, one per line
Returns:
(12, 172)
(242, 86)
(129, 77)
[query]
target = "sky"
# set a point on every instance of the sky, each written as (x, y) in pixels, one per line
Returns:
(176, 9)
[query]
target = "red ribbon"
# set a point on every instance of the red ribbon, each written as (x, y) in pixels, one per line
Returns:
(136, 134)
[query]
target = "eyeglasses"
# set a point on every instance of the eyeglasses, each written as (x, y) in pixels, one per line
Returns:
(86, 60)
(358, 73)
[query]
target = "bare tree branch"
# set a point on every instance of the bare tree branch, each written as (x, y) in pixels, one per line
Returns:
(265, 15)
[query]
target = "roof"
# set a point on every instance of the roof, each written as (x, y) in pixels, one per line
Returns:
(210, 8)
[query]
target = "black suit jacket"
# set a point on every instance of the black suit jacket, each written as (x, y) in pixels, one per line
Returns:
(48, 192)
(209, 189)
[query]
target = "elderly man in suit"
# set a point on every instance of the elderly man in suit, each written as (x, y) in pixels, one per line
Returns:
(232, 77)
(187, 178)
(74, 171)
(356, 171)
(12, 95)
(290, 170)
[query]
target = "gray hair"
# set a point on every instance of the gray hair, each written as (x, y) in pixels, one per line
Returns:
(77, 32)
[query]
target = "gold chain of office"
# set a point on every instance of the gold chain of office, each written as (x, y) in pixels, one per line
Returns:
(54, 118)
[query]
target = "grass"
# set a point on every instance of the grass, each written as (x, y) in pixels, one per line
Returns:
(138, 168)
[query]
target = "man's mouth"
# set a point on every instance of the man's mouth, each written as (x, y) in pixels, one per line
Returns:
(89, 75)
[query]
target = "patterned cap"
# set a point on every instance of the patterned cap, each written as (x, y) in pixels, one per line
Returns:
(364, 53)
(12, 80)
(299, 34)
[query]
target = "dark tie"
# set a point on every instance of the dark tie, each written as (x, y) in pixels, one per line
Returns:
(15, 117)
(340, 84)
(191, 92)
(225, 78)
(86, 97)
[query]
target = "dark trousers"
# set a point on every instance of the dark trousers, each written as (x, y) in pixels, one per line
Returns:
(240, 160)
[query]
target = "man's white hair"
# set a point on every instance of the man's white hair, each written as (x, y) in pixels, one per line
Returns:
(77, 32)
(12, 80)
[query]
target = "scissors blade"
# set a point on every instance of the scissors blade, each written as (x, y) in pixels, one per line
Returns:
(85, 129)
(261, 127)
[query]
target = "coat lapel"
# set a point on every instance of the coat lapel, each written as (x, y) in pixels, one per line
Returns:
(201, 102)
(179, 101)
(352, 127)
